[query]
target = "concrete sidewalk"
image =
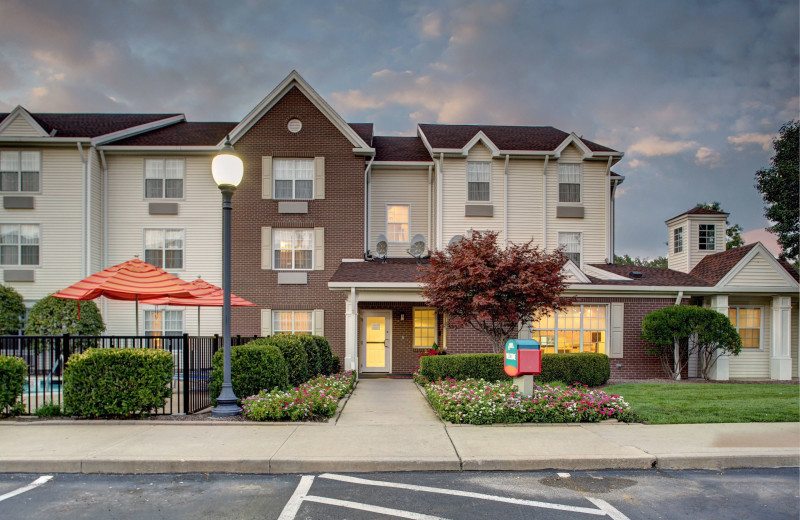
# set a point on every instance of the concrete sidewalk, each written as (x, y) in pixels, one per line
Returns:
(386, 425)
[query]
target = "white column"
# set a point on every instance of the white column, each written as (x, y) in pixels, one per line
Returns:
(351, 331)
(780, 366)
(721, 369)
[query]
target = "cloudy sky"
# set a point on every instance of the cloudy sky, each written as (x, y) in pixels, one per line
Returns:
(693, 92)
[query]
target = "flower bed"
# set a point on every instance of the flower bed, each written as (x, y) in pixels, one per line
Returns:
(315, 399)
(475, 401)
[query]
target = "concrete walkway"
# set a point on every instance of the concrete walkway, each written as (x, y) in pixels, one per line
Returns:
(386, 425)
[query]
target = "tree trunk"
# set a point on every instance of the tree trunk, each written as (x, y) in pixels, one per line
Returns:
(677, 366)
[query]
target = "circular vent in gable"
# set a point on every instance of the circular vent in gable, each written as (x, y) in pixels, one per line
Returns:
(295, 125)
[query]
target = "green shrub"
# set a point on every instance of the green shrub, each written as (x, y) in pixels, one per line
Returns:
(587, 369)
(316, 363)
(12, 381)
(326, 355)
(49, 409)
(56, 316)
(112, 382)
(295, 355)
(255, 366)
(12, 310)
(336, 364)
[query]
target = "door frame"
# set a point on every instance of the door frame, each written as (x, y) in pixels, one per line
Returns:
(362, 346)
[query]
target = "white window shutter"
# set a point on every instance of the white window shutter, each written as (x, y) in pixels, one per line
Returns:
(319, 322)
(266, 322)
(617, 330)
(319, 249)
(266, 248)
(319, 177)
(266, 177)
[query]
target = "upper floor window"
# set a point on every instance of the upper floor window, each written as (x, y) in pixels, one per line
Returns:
(677, 240)
(479, 175)
(707, 237)
(292, 322)
(164, 248)
(294, 178)
(397, 223)
(569, 182)
(163, 323)
(293, 248)
(572, 246)
(747, 321)
(424, 327)
(19, 171)
(19, 244)
(163, 178)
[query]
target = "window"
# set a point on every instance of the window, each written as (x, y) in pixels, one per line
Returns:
(569, 182)
(294, 178)
(572, 246)
(424, 327)
(677, 239)
(707, 237)
(293, 248)
(747, 321)
(291, 322)
(19, 171)
(163, 323)
(19, 244)
(578, 328)
(397, 223)
(479, 175)
(164, 248)
(163, 178)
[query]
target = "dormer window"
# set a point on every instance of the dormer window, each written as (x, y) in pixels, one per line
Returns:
(19, 171)
(569, 182)
(677, 240)
(707, 237)
(163, 178)
(479, 179)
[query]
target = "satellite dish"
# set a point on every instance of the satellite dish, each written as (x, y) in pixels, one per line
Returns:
(381, 247)
(455, 240)
(417, 248)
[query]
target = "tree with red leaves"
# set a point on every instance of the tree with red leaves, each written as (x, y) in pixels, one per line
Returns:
(491, 289)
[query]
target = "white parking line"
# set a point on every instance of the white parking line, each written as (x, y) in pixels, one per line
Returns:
(36, 483)
(399, 513)
(610, 510)
(293, 505)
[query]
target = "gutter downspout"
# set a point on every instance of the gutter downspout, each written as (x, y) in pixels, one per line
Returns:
(613, 220)
(367, 187)
(439, 198)
(89, 189)
(505, 202)
(430, 203)
(544, 202)
(609, 254)
(105, 206)
(83, 216)
(679, 298)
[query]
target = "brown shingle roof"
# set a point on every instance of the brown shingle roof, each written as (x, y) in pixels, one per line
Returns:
(364, 131)
(400, 149)
(714, 267)
(395, 270)
(542, 138)
(180, 134)
(93, 125)
(699, 211)
(651, 276)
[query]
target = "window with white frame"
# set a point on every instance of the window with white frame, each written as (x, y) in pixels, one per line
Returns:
(19, 171)
(569, 182)
(293, 248)
(164, 248)
(479, 178)
(577, 328)
(163, 323)
(677, 240)
(747, 321)
(163, 178)
(19, 244)
(571, 242)
(397, 223)
(707, 237)
(292, 322)
(424, 327)
(294, 178)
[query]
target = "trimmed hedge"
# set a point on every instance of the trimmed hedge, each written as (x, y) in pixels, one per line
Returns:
(295, 355)
(255, 366)
(336, 364)
(112, 382)
(316, 362)
(12, 382)
(327, 355)
(587, 369)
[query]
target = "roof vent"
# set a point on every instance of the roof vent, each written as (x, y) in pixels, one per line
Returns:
(635, 274)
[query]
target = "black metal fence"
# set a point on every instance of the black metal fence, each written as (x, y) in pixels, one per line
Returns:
(46, 357)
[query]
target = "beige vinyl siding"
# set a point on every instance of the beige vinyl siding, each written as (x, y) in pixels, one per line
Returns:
(399, 187)
(593, 193)
(758, 273)
(19, 127)
(59, 215)
(96, 214)
(694, 240)
(678, 261)
(795, 339)
(751, 363)
(454, 198)
(199, 215)
(525, 200)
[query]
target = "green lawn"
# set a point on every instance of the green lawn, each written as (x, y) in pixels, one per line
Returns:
(676, 403)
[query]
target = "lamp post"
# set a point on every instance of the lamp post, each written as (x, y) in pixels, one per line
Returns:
(227, 170)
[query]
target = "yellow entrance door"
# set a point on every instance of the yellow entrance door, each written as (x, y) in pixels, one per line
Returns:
(376, 342)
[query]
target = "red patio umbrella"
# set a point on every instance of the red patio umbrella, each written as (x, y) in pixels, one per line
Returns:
(133, 280)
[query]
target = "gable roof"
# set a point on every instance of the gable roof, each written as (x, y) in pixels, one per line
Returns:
(651, 276)
(91, 125)
(714, 267)
(400, 149)
(180, 134)
(364, 130)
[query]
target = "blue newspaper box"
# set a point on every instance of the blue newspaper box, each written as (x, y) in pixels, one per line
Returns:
(522, 357)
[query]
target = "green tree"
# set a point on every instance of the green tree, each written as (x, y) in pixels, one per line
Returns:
(659, 262)
(734, 232)
(12, 310)
(779, 187)
(55, 316)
